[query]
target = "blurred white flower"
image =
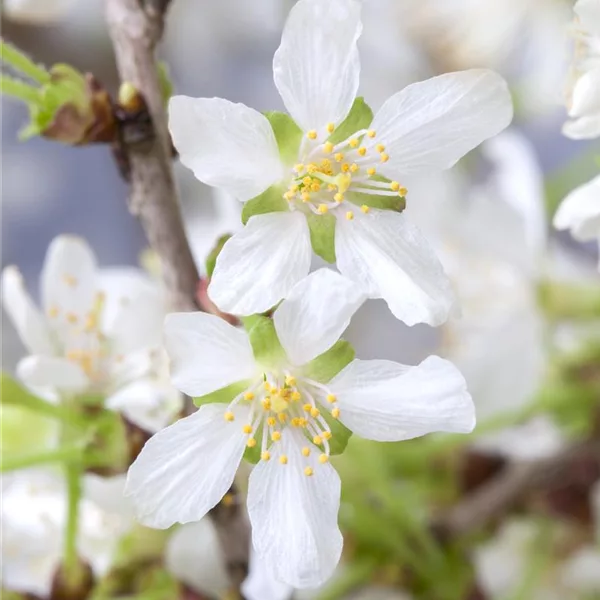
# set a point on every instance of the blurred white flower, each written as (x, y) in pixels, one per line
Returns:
(99, 334)
(37, 12)
(231, 146)
(184, 470)
(580, 211)
(33, 519)
(583, 93)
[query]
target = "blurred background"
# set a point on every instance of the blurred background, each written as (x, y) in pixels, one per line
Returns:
(518, 280)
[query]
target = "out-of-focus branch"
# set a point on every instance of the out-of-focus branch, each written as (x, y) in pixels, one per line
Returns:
(496, 498)
(135, 30)
(136, 27)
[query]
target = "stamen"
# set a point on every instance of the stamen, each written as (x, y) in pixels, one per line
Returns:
(308, 471)
(323, 458)
(265, 456)
(229, 416)
(339, 157)
(251, 443)
(384, 157)
(323, 208)
(335, 413)
(353, 143)
(380, 148)
(317, 441)
(247, 429)
(248, 396)
(365, 209)
(271, 421)
(331, 398)
(311, 135)
(305, 451)
(349, 215)
(283, 459)
(339, 197)
(371, 133)
(330, 127)
(276, 436)
(362, 151)
(328, 147)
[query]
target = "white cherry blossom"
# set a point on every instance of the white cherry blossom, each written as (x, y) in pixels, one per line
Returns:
(583, 90)
(279, 407)
(426, 127)
(579, 212)
(98, 333)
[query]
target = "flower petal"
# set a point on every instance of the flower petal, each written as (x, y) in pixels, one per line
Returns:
(24, 314)
(185, 469)
(260, 583)
(387, 402)
(583, 128)
(588, 12)
(430, 125)
(294, 517)
(206, 353)
(226, 145)
(53, 372)
(260, 265)
(68, 278)
(586, 95)
(315, 314)
(316, 68)
(580, 211)
(390, 259)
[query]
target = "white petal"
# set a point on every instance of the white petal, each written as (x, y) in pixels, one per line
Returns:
(390, 259)
(53, 372)
(316, 67)
(261, 264)
(261, 584)
(185, 469)
(206, 353)
(582, 571)
(226, 145)
(24, 314)
(580, 211)
(586, 94)
(588, 12)
(68, 279)
(584, 128)
(194, 556)
(387, 402)
(294, 517)
(315, 314)
(430, 125)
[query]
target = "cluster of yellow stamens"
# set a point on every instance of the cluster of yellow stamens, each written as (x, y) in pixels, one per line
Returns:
(281, 401)
(329, 171)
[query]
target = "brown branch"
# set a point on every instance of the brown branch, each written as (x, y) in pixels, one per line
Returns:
(136, 27)
(496, 498)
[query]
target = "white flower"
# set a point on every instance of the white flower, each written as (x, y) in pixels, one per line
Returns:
(99, 334)
(33, 518)
(583, 95)
(427, 127)
(294, 493)
(580, 212)
(36, 11)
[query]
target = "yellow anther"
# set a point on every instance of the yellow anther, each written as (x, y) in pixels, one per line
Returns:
(331, 398)
(229, 416)
(371, 133)
(328, 147)
(307, 180)
(349, 215)
(276, 436)
(296, 396)
(70, 280)
(371, 171)
(266, 455)
(295, 422)
(335, 413)
(354, 167)
(315, 186)
(294, 188)
(384, 157)
(53, 312)
(394, 186)
(339, 197)
(345, 167)
(266, 403)
(362, 151)
(308, 471)
(283, 459)
(271, 421)
(402, 191)
(305, 197)
(72, 318)
(307, 407)
(247, 428)
(289, 196)
(314, 412)
(327, 435)
(312, 168)
(302, 422)
(338, 156)
(311, 135)
(228, 500)
(330, 127)
(267, 386)
(299, 168)
(305, 451)
(251, 443)
(380, 148)
(317, 440)
(364, 208)
(353, 143)
(323, 208)
(282, 417)
(248, 396)
(323, 458)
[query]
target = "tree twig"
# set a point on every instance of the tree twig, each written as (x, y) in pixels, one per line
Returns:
(136, 27)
